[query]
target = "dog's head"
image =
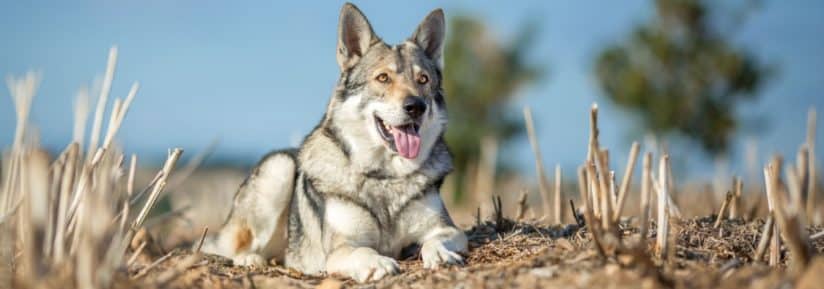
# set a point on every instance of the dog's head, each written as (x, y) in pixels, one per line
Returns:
(389, 101)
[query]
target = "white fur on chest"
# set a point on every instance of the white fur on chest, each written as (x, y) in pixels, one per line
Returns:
(361, 228)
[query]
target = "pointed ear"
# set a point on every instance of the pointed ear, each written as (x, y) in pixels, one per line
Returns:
(355, 35)
(430, 34)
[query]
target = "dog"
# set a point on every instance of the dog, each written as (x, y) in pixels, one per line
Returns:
(365, 183)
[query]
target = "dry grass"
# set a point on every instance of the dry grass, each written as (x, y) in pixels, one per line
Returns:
(68, 220)
(507, 253)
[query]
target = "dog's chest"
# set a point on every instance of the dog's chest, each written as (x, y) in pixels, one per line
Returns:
(398, 208)
(377, 210)
(388, 197)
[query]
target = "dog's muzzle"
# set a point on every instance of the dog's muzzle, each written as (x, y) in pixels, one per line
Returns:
(403, 139)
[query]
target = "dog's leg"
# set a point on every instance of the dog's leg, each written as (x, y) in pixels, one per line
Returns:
(353, 235)
(256, 227)
(428, 223)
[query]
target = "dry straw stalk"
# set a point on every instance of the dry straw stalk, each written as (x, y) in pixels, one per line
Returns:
(543, 187)
(626, 180)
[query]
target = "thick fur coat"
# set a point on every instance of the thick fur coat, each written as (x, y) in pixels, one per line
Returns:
(364, 184)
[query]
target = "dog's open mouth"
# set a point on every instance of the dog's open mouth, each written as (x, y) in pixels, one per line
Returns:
(404, 139)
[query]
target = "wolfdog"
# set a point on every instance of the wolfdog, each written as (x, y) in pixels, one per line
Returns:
(365, 183)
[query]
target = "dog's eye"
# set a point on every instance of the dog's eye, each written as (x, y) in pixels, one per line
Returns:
(382, 78)
(423, 79)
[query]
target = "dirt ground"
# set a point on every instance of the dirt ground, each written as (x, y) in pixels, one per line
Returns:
(508, 254)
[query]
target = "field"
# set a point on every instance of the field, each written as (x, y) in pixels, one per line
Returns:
(79, 220)
(508, 254)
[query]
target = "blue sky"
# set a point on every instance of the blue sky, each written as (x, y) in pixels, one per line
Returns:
(257, 74)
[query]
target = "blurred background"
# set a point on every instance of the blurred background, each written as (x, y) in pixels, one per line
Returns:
(720, 85)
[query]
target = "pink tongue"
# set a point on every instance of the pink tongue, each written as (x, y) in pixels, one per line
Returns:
(407, 141)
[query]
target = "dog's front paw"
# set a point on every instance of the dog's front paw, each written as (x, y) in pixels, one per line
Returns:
(434, 254)
(367, 265)
(249, 259)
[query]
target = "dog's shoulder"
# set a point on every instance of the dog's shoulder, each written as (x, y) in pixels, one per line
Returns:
(323, 158)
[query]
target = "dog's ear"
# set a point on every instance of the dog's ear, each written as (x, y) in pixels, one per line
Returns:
(430, 34)
(355, 35)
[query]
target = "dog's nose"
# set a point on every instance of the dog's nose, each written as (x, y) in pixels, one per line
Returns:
(414, 106)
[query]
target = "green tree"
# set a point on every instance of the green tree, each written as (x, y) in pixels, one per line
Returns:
(481, 76)
(681, 74)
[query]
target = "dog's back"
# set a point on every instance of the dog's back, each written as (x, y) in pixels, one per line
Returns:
(260, 211)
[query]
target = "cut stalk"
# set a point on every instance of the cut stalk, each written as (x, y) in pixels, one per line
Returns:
(523, 207)
(102, 99)
(775, 241)
(604, 191)
(130, 180)
(793, 206)
(764, 241)
(81, 116)
(626, 180)
(583, 191)
(557, 210)
(800, 180)
(775, 247)
(736, 199)
(594, 190)
(167, 169)
(811, 171)
(67, 182)
(672, 208)
(789, 220)
(592, 148)
(608, 213)
(136, 253)
(645, 195)
(727, 199)
(202, 238)
(539, 164)
(663, 214)
(589, 217)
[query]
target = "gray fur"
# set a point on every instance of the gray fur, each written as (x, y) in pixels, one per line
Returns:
(352, 203)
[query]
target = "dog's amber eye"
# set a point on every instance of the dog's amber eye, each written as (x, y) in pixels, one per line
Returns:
(423, 79)
(382, 78)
